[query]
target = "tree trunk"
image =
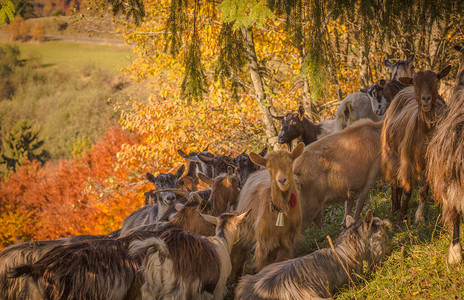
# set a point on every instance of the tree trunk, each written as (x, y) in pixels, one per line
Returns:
(363, 66)
(257, 81)
(307, 100)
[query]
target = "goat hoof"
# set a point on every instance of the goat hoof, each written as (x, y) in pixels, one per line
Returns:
(454, 254)
(419, 219)
(419, 216)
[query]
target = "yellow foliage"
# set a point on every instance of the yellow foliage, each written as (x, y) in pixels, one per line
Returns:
(167, 123)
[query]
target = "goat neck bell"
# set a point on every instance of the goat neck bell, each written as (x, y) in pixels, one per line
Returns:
(280, 219)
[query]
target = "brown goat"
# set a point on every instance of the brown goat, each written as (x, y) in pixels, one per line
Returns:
(28, 253)
(81, 270)
(182, 265)
(224, 191)
(445, 170)
(269, 193)
(337, 168)
(405, 133)
(321, 273)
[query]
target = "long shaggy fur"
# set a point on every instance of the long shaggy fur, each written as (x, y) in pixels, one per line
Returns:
(445, 153)
(445, 170)
(320, 274)
(29, 253)
(182, 265)
(353, 108)
(99, 269)
(270, 242)
(405, 134)
(63, 272)
(338, 167)
(190, 266)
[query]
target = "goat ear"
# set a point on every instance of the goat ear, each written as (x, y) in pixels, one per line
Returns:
(301, 112)
(243, 216)
(258, 159)
(263, 152)
(410, 59)
(349, 220)
(388, 63)
(405, 80)
(368, 219)
(297, 151)
(207, 160)
(151, 177)
(180, 171)
(210, 219)
(363, 90)
(444, 72)
(205, 179)
(178, 206)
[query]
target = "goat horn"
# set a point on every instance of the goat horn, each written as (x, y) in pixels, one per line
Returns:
(175, 191)
(275, 117)
(193, 196)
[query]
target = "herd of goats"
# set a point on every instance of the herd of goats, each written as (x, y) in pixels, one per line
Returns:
(185, 243)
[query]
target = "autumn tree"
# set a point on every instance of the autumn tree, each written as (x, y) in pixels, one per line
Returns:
(22, 143)
(7, 11)
(215, 69)
(89, 194)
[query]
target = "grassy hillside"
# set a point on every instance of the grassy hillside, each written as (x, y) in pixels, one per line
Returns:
(67, 55)
(77, 26)
(417, 269)
(64, 89)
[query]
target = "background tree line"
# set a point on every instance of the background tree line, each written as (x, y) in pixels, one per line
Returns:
(218, 68)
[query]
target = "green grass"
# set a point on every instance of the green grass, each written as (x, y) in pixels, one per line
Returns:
(66, 90)
(73, 55)
(417, 268)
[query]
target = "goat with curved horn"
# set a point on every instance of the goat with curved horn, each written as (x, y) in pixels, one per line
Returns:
(275, 117)
(193, 196)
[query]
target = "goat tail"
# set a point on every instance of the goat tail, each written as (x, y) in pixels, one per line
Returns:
(24, 270)
(341, 116)
(139, 247)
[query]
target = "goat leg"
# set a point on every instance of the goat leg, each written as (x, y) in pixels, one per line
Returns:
(423, 194)
(396, 193)
(454, 253)
(348, 208)
(261, 257)
(364, 191)
(404, 207)
(238, 257)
